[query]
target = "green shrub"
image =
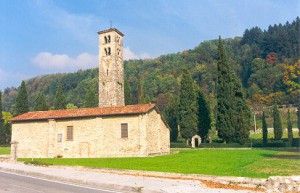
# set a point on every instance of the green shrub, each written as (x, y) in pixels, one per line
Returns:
(36, 163)
(179, 145)
(223, 145)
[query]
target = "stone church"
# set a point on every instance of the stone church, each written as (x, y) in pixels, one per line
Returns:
(110, 130)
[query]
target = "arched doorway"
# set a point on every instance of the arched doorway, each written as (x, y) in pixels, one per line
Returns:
(196, 141)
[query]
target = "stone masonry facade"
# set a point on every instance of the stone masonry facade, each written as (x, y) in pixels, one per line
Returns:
(93, 137)
(111, 69)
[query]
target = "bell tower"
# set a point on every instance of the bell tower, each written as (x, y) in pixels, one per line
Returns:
(111, 69)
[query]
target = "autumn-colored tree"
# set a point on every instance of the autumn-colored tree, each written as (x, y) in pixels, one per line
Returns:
(292, 76)
(292, 80)
(271, 58)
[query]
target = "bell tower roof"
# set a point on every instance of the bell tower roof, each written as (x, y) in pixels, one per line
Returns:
(110, 30)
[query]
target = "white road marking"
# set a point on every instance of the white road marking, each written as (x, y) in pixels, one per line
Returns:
(65, 183)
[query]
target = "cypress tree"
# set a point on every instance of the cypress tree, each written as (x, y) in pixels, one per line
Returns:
(233, 113)
(7, 133)
(171, 115)
(1, 115)
(264, 129)
(22, 105)
(127, 91)
(289, 127)
(224, 97)
(141, 98)
(59, 101)
(2, 129)
(242, 113)
(90, 99)
(277, 123)
(40, 103)
(204, 120)
(188, 118)
(298, 113)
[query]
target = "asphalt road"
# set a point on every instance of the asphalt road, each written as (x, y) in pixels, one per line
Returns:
(15, 183)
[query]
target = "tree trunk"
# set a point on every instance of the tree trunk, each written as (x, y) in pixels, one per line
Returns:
(187, 141)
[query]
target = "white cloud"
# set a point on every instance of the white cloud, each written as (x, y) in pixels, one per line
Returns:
(129, 55)
(82, 27)
(63, 62)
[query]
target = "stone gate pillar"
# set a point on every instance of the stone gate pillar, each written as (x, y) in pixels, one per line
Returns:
(14, 150)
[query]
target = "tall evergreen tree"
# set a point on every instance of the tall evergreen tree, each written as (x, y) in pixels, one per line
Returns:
(298, 113)
(289, 127)
(1, 116)
(204, 120)
(40, 103)
(264, 129)
(277, 123)
(127, 93)
(59, 101)
(233, 113)
(7, 133)
(91, 99)
(241, 113)
(22, 105)
(224, 97)
(188, 118)
(2, 129)
(171, 115)
(141, 97)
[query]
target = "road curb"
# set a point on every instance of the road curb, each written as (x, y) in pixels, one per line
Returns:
(93, 184)
(228, 180)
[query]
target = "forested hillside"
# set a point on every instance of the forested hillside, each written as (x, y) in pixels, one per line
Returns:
(262, 60)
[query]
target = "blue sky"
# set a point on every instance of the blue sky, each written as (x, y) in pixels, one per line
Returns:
(50, 36)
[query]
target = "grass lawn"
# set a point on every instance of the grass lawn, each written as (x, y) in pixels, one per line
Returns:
(4, 150)
(246, 163)
(271, 135)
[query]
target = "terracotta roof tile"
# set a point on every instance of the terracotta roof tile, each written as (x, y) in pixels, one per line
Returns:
(84, 112)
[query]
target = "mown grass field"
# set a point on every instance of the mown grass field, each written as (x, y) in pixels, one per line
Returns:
(247, 163)
(271, 135)
(4, 150)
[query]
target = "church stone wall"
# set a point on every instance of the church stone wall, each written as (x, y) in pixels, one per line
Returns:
(92, 137)
(31, 138)
(158, 135)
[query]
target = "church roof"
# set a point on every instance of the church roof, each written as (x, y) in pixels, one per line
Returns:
(111, 29)
(84, 112)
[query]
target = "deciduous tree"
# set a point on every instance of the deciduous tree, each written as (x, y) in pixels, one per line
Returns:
(127, 93)
(91, 99)
(141, 97)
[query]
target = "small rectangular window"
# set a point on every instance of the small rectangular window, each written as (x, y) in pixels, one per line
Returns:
(70, 133)
(59, 137)
(124, 130)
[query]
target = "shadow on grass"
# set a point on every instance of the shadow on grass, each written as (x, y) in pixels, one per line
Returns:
(282, 156)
